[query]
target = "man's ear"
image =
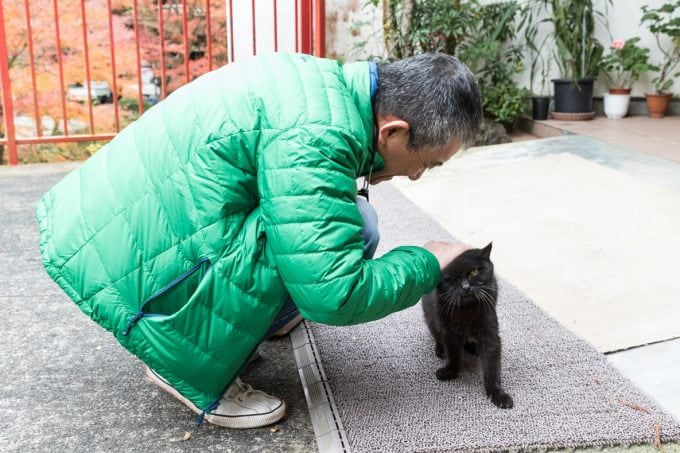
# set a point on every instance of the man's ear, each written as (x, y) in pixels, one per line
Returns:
(390, 125)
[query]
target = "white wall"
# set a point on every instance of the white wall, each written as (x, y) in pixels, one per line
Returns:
(343, 41)
(623, 17)
(264, 26)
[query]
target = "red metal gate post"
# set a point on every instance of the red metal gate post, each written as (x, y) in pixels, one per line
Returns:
(320, 28)
(305, 28)
(7, 106)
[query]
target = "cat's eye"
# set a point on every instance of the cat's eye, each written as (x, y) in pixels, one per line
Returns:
(474, 273)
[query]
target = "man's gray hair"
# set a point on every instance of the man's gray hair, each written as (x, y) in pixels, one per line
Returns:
(435, 94)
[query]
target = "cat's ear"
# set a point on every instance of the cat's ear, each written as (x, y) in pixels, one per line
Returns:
(486, 251)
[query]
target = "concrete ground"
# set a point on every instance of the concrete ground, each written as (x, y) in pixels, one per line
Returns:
(67, 385)
(653, 367)
(656, 136)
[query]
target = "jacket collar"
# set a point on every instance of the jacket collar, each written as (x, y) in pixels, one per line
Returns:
(362, 80)
(373, 75)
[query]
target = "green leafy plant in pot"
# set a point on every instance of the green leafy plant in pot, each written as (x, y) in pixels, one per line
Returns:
(623, 66)
(540, 101)
(540, 65)
(663, 22)
(577, 52)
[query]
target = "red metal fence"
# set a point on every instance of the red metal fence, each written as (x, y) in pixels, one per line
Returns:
(75, 71)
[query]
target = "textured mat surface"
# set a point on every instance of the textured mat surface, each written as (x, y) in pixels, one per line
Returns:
(566, 394)
(583, 235)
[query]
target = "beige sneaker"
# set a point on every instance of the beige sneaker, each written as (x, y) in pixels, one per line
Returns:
(240, 407)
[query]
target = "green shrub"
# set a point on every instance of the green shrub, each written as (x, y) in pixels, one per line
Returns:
(495, 61)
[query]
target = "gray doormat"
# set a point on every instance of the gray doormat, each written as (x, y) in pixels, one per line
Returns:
(381, 377)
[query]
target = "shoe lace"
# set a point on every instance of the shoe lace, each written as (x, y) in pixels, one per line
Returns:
(245, 390)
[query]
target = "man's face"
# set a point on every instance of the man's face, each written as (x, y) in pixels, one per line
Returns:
(400, 160)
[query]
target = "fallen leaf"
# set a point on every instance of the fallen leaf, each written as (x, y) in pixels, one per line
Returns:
(637, 407)
(274, 429)
(187, 436)
(657, 444)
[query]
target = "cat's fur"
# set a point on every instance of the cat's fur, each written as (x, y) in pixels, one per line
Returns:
(461, 316)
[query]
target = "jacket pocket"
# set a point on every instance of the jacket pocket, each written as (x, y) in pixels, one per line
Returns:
(172, 297)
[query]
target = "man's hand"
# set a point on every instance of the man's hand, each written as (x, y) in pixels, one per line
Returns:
(446, 251)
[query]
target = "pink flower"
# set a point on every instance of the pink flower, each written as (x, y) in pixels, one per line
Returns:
(618, 44)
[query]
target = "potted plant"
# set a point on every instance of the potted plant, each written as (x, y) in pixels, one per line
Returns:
(540, 102)
(490, 52)
(661, 22)
(624, 65)
(540, 67)
(578, 55)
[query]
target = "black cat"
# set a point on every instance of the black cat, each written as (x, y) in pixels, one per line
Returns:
(461, 315)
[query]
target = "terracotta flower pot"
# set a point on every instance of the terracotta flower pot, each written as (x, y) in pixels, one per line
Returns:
(619, 91)
(657, 104)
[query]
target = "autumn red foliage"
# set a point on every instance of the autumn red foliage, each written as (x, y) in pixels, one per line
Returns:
(158, 55)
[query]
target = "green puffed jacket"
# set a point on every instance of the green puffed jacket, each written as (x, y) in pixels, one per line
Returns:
(184, 235)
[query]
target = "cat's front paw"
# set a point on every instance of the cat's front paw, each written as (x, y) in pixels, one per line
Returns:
(502, 399)
(446, 373)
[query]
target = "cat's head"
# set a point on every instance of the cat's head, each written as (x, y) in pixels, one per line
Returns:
(469, 278)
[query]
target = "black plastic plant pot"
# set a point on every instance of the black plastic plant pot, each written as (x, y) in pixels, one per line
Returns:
(540, 107)
(574, 97)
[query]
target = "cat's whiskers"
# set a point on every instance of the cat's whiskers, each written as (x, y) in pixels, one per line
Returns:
(488, 290)
(485, 298)
(447, 293)
(489, 287)
(481, 298)
(451, 303)
(449, 310)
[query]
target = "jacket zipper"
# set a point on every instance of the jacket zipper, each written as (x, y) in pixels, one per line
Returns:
(140, 314)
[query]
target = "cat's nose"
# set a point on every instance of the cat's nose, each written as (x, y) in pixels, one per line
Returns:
(465, 284)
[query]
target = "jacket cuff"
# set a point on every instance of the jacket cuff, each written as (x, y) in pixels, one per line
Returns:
(427, 272)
